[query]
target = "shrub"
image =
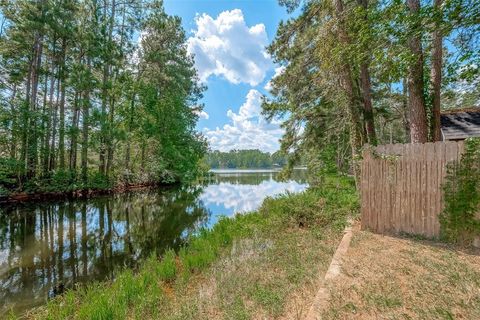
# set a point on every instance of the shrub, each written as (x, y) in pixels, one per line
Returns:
(3, 191)
(8, 167)
(98, 181)
(302, 210)
(59, 181)
(462, 197)
(329, 203)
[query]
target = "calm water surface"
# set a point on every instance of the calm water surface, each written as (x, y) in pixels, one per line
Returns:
(50, 246)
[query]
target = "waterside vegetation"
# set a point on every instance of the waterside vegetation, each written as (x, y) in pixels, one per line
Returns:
(250, 264)
(94, 95)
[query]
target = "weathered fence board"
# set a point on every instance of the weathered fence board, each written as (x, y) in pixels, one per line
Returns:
(401, 186)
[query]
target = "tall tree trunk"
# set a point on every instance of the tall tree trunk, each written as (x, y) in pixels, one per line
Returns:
(406, 120)
(436, 72)
(13, 134)
(367, 104)
(46, 142)
(53, 153)
(416, 97)
(366, 87)
(45, 119)
(103, 150)
(61, 141)
(32, 152)
(74, 135)
(349, 89)
(46, 163)
(110, 149)
(26, 117)
(85, 126)
(130, 125)
(105, 128)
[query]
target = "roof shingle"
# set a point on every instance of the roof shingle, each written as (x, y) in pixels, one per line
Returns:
(461, 125)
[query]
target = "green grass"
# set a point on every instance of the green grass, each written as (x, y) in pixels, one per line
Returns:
(247, 265)
(166, 269)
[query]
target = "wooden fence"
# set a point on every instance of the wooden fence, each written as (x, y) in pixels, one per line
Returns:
(401, 186)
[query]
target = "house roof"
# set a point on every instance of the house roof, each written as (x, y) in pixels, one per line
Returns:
(461, 124)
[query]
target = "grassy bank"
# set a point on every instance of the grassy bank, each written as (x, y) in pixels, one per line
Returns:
(262, 264)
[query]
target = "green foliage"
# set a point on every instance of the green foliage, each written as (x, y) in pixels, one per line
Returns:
(244, 159)
(3, 192)
(329, 44)
(200, 253)
(97, 181)
(142, 293)
(97, 100)
(98, 306)
(302, 210)
(330, 203)
(167, 269)
(61, 180)
(460, 221)
(169, 119)
(8, 167)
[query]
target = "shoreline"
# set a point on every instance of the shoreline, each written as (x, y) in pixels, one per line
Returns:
(263, 246)
(23, 197)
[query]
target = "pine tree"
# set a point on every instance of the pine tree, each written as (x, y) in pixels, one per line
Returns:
(75, 90)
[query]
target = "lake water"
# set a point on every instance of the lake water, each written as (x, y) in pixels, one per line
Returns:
(48, 247)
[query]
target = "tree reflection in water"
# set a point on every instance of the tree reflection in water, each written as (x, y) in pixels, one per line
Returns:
(50, 246)
(253, 177)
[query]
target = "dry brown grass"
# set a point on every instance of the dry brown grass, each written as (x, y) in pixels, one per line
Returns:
(394, 278)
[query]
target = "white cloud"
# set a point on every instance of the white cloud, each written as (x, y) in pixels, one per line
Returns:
(248, 129)
(278, 71)
(239, 198)
(227, 47)
(203, 115)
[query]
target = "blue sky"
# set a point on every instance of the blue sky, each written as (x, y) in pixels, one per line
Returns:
(228, 39)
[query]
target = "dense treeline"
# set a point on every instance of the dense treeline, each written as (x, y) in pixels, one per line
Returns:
(95, 93)
(357, 72)
(245, 159)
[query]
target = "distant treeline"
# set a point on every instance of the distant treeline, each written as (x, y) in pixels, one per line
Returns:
(245, 159)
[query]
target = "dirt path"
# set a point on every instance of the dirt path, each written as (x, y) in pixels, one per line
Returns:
(320, 302)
